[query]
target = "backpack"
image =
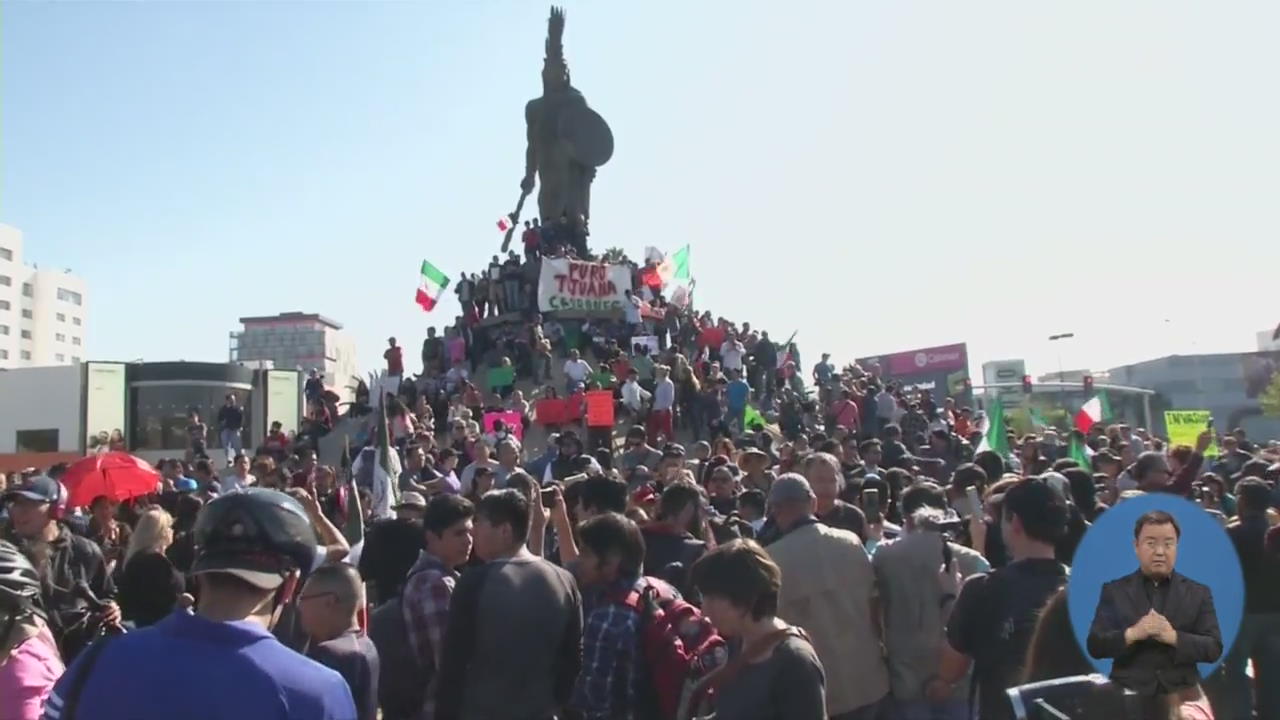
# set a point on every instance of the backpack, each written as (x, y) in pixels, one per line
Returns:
(680, 648)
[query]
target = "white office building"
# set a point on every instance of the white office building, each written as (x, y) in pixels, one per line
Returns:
(299, 341)
(42, 311)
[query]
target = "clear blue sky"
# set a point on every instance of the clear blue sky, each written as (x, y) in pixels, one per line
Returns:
(920, 173)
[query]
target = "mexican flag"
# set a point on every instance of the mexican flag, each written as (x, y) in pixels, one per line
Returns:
(785, 356)
(675, 267)
(1093, 412)
(1037, 419)
(433, 284)
(996, 438)
(1076, 452)
(504, 223)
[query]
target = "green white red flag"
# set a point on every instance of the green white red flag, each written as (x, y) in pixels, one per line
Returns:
(675, 267)
(1093, 412)
(432, 286)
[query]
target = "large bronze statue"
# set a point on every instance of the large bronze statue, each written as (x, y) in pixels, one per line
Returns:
(567, 140)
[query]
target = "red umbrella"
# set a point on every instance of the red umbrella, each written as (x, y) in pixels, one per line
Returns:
(118, 475)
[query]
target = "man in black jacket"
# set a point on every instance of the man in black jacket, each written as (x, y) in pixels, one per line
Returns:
(72, 566)
(1155, 623)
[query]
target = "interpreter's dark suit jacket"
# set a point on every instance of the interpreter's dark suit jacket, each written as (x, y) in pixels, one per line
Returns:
(1150, 666)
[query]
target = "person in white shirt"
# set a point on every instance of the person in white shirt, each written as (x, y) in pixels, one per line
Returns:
(633, 396)
(731, 352)
(239, 477)
(455, 377)
(659, 423)
(576, 370)
(631, 308)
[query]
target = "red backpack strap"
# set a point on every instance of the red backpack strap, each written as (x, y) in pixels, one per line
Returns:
(762, 646)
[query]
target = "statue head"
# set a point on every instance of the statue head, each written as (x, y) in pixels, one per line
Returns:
(555, 71)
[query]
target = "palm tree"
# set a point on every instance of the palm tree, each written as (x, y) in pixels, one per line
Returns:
(614, 255)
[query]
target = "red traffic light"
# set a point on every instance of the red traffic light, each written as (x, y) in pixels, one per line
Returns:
(1088, 383)
(1026, 383)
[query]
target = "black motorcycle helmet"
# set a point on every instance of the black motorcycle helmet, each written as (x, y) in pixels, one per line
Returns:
(258, 535)
(19, 583)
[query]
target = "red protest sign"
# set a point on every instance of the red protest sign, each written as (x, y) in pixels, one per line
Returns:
(599, 408)
(551, 411)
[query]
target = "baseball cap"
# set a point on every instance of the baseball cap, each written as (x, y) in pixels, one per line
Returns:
(411, 499)
(40, 488)
(185, 485)
(791, 487)
(673, 450)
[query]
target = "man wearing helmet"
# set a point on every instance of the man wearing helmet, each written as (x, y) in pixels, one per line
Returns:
(78, 581)
(29, 660)
(251, 547)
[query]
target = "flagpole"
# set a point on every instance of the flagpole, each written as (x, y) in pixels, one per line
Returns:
(515, 220)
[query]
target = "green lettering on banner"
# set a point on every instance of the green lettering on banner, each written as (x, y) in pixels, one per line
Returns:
(1184, 428)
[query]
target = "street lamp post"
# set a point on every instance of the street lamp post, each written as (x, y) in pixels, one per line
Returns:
(1061, 373)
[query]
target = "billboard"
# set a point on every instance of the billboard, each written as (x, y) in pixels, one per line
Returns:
(105, 404)
(942, 369)
(283, 399)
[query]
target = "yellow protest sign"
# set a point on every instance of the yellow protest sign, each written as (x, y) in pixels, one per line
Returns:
(1185, 426)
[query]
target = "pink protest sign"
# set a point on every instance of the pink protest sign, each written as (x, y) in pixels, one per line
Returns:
(510, 417)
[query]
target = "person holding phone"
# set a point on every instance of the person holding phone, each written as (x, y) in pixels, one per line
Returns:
(918, 576)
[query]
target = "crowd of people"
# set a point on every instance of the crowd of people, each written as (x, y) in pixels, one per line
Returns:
(744, 540)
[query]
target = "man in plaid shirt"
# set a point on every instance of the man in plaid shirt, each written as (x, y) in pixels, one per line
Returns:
(610, 559)
(429, 587)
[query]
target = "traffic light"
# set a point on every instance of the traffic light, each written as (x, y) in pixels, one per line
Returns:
(968, 385)
(1026, 384)
(1088, 383)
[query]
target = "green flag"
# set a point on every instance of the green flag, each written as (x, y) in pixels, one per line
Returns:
(1076, 452)
(680, 261)
(1037, 419)
(752, 419)
(1106, 405)
(997, 437)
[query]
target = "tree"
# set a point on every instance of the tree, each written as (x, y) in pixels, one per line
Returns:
(614, 255)
(1270, 398)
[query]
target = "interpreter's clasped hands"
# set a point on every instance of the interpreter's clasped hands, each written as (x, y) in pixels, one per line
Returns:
(1155, 626)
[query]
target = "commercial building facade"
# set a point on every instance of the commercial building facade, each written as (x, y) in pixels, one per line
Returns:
(139, 407)
(43, 313)
(299, 341)
(1228, 385)
(942, 370)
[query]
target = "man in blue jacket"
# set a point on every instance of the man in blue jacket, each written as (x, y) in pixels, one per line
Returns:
(221, 661)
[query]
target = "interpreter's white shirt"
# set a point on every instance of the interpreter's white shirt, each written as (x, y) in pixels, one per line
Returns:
(577, 370)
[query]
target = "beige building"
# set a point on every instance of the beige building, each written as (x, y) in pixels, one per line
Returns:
(299, 341)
